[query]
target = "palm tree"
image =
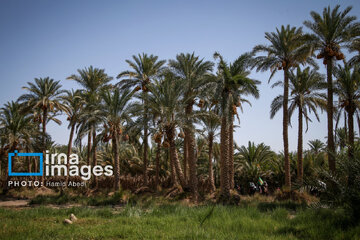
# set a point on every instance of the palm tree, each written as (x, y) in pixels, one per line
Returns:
(44, 100)
(316, 146)
(157, 138)
(239, 69)
(45, 96)
(195, 74)
(16, 128)
(286, 50)
(166, 101)
(253, 161)
(304, 87)
(211, 124)
(254, 153)
(144, 69)
(93, 80)
(73, 104)
(231, 84)
(347, 88)
(116, 112)
(331, 32)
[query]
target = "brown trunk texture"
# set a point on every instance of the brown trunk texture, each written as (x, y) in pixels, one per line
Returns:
(285, 131)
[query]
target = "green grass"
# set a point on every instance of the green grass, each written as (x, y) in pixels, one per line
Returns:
(101, 199)
(176, 222)
(60, 199)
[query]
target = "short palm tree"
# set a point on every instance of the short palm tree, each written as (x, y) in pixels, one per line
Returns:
(144, 68)
(331, 31)
(252, 162)
(304, 86)
(287, 50)
(116, 112)
(347, 89)
(194, 73)
(316, 146)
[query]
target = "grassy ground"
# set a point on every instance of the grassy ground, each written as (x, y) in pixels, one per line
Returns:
(174, 221)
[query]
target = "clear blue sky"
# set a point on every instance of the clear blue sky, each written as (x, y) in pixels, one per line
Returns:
(55, 38)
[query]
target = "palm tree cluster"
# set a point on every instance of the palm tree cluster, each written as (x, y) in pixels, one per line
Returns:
(161, 120)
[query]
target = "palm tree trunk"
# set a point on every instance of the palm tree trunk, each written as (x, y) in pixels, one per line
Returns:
(44, 137)
(89, 148)
(170, 132)
(186, 154)
(28, 159)
(351, 130)
(94, 156)
(211, 173)
(116, 162)
(330, 113)
(300, 169)
(5, 183)
(145, 153)
(193, 167)
(69, 151)
(285, 130)
(345, 126)
(231, 153)
(145, 156)
(35, 168)
(174, 181)
(224, 158)
(192, 158)
(189, 136)
(157, 170)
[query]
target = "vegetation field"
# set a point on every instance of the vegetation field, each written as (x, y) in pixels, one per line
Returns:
(264, 221)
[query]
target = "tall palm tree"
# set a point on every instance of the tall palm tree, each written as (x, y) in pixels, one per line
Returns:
(144, 68)
(347, 88)
(238, 92)
(286, 51)
(166, 101)
(211, 124)
(331, 31)
(44, 98)
(231, 85)
(195, 74)
(93, 80)
(116, 112)
(304, 86)
(73, 103)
